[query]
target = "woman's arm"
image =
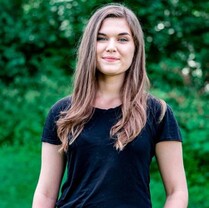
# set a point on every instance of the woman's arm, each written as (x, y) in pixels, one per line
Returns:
(52, 169)
(170, 160)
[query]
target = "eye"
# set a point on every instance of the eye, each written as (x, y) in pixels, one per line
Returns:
(101, 38)
(123, 40)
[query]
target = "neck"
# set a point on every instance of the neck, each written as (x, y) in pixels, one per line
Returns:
(108, 94)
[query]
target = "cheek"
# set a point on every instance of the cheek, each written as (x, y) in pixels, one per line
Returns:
(99, 48)
(98, 54)
(130, 54)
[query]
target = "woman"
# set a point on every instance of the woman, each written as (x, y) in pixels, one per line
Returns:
(110, 128)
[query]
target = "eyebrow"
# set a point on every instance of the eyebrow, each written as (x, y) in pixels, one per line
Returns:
(120, 34)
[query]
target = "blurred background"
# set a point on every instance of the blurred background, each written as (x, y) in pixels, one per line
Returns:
(38, 42)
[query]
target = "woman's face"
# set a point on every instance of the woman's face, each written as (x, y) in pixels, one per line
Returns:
(115, 47)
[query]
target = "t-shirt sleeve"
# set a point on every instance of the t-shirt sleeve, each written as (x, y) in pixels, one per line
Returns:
(49, 133)
(168, 129)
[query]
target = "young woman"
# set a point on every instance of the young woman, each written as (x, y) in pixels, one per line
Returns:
(107, 132)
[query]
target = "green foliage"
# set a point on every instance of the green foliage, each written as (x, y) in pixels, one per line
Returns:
(23, 109)
(38, 41)
(19, 174)
(192, 115)
(176, 34)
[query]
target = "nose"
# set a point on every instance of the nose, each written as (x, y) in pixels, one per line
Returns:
(111, 46)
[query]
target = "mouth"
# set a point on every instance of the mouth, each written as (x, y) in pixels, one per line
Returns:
(110, 58)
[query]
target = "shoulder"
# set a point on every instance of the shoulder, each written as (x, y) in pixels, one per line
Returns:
(153, 102)
(50, 128)
(61, 105)
(155, 106)
(158, 110)
(162, 119)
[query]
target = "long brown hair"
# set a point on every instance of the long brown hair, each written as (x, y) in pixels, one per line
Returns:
(134, 91)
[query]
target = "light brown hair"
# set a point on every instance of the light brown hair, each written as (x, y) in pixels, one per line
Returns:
(134, 91)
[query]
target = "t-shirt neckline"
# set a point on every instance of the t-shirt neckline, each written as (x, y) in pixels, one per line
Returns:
(107, 109)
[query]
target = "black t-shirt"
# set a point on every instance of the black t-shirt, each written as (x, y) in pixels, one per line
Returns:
(99, 176)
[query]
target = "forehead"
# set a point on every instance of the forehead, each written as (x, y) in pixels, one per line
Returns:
(114, 25)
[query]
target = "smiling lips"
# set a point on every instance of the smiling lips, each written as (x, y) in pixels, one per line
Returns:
(110, 59)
